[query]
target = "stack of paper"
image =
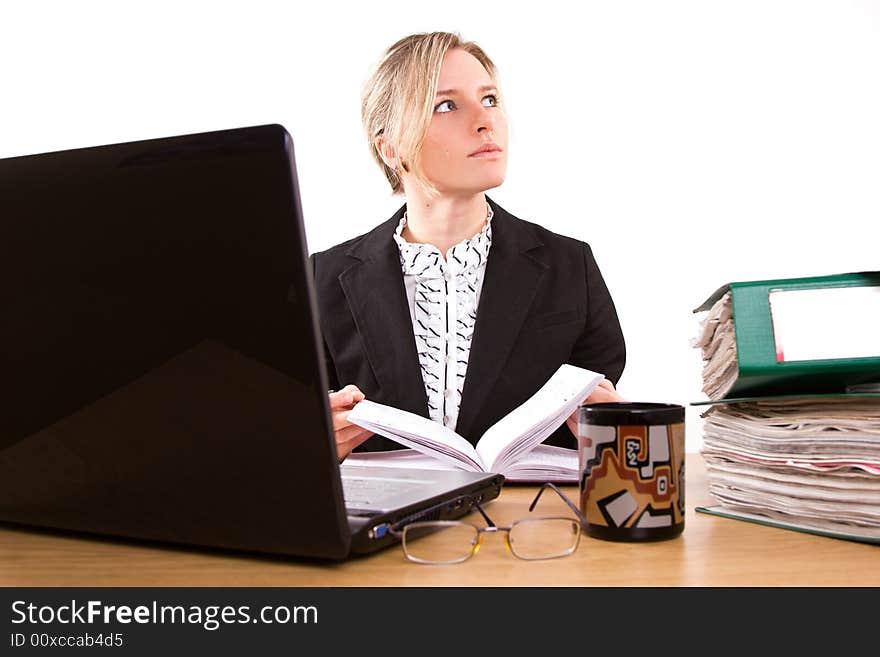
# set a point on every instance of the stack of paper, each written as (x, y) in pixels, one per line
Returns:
(805, 462)
(814, 463)
(717, 343)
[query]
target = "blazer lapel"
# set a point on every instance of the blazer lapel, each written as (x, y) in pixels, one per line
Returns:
(511, 281)
(377, 298)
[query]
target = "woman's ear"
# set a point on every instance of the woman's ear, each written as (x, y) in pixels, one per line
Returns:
(387, 153)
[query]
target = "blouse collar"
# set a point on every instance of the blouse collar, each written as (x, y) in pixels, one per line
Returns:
(426, 260)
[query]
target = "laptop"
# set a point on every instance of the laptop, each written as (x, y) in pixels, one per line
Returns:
(161, 372)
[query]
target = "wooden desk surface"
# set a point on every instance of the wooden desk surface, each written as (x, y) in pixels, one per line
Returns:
(712, 551)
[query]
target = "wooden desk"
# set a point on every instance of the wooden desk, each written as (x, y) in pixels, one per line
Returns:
(711, 552)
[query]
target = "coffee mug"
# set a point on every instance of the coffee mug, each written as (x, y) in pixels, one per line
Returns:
(631, 467)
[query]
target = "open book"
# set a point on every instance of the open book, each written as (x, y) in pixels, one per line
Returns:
(510, 447)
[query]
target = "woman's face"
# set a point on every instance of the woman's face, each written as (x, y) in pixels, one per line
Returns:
(467, 117)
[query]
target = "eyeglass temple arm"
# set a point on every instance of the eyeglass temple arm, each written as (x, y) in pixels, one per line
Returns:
(565, 499)
(483, 513)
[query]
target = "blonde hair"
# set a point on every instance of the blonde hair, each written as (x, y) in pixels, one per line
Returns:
(397, 102)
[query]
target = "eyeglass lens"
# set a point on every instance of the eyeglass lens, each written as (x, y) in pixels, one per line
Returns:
(439, 542)
(544, 538)
(453, 541)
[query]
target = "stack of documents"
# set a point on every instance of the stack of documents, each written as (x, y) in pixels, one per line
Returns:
(792, 435)
(808, 464)
(717, 344)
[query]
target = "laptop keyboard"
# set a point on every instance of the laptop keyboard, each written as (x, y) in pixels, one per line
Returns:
(369, 493)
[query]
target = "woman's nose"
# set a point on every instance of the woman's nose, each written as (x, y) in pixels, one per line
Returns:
(485, 120)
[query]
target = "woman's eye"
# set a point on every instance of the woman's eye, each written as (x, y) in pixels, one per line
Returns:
(490, 100)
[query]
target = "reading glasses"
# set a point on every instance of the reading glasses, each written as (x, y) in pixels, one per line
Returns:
(455, 541)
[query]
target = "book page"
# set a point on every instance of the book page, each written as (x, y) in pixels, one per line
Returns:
(397, 458)
(519, 431)
(545, 463)
(418, 433)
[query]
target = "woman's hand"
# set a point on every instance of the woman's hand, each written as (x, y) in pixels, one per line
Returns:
(604, 392)
(348, 435)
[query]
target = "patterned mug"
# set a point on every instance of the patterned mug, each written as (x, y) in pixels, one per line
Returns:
(631, 465)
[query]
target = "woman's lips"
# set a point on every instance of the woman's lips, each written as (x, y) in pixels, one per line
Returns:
(487, 154)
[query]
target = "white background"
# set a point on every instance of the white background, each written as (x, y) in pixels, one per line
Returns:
(690, 143)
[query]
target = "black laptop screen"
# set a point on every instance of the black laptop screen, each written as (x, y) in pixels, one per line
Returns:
(156, 326)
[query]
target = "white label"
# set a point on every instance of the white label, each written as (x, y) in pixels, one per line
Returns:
(826, 323)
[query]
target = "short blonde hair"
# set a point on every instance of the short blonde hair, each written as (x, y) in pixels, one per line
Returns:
(397, 102)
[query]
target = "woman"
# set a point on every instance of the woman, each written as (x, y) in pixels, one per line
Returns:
(454, 309)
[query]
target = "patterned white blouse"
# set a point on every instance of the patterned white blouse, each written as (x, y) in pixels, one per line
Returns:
(443, 297)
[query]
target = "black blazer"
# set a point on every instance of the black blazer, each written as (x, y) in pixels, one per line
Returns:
(543, 303)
